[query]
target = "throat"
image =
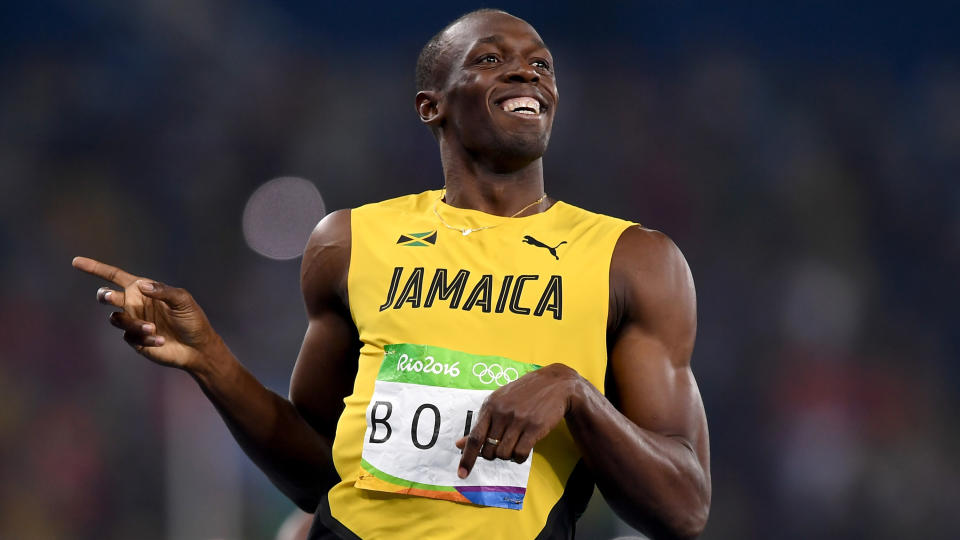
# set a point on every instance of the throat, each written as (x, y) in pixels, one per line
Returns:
(514, 207)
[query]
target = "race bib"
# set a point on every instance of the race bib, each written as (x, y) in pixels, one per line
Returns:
(424, 400)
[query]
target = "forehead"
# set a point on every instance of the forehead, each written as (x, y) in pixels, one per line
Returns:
(490, 28)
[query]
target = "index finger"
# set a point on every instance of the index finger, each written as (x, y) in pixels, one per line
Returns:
(475, 440)
(105, 271)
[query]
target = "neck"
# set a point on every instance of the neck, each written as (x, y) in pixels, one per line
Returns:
(489, 188)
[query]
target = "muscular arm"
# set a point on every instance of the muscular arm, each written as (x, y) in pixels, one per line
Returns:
(289, 439)
(650, 453)
(650, 458)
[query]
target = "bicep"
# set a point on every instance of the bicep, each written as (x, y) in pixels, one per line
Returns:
(325, 371)
(656, 392)
(650, 355)
(326, 365)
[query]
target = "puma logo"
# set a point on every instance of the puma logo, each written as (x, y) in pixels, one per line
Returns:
(534, 242)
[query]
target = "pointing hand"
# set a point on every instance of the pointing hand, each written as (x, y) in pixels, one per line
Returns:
(163, 323)
(518, 415)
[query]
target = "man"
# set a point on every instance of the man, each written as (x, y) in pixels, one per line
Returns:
(487, 320)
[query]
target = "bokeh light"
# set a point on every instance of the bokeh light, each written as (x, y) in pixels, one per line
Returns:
(279, 216)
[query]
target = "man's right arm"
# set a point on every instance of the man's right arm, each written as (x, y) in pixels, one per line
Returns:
(289, 439)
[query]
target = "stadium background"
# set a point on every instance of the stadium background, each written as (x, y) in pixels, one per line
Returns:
(804, 156)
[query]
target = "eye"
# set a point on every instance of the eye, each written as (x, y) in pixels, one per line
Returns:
(542, 64)
(489, 59)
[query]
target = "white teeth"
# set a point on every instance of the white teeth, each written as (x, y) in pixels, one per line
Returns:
(528, 104)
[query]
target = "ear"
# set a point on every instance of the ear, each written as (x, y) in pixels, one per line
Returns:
(429, 107)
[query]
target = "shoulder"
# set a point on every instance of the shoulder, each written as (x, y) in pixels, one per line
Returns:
(330, 235)
(642, 251)
(650, 281)
(326, 259)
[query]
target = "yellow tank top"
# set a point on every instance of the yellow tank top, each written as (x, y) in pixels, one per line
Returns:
(445, 316)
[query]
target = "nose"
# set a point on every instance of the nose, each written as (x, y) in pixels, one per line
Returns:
(521, 72)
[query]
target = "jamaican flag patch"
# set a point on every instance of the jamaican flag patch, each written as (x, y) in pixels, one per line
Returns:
(428, 238)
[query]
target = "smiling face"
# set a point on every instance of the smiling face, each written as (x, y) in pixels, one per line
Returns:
(499, 94)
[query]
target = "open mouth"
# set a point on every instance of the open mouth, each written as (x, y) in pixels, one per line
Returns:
(524, 106)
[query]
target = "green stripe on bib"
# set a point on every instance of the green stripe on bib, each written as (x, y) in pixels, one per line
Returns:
(436, 366)
(396, 480)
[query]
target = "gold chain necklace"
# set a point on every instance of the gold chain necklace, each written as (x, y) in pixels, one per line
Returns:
(467, 231)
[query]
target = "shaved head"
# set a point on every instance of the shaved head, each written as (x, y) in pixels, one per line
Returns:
(432, 62)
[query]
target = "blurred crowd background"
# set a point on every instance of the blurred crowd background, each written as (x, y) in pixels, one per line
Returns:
(803, 155)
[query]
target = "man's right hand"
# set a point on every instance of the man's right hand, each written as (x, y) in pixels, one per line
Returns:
(163, 323)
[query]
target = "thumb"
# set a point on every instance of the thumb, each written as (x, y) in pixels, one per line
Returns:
(173, 296)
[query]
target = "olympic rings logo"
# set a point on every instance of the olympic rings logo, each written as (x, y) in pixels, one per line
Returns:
(494, 373)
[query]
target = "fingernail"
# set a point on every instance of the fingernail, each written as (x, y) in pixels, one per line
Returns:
(159, 340)
(148, 328)
(107, 294)
(146, 286)
(462, 473)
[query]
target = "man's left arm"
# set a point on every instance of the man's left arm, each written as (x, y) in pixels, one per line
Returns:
(649, 454)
